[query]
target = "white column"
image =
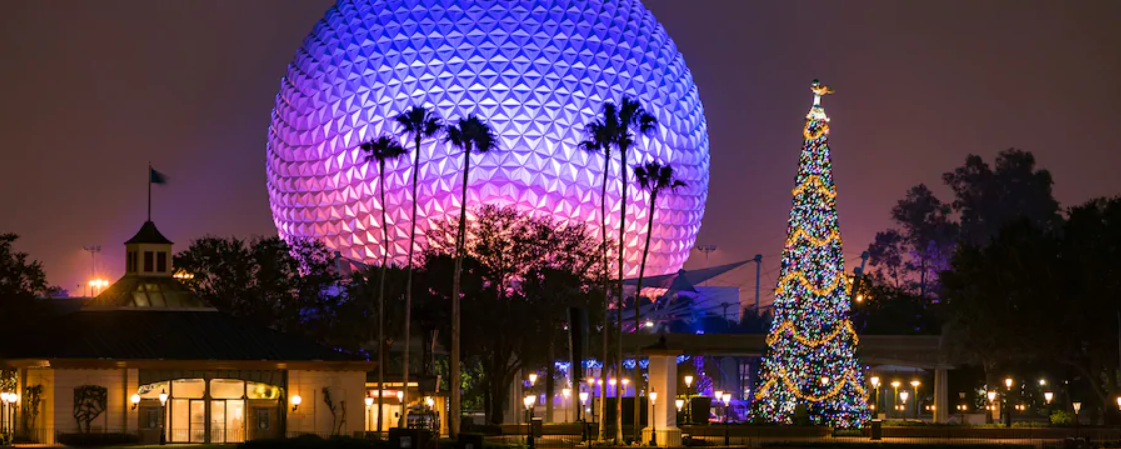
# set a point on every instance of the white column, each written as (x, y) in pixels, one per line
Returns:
(941, 396)
(663, 380)
(132, 416)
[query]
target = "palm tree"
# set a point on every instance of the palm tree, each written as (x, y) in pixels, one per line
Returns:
(419, 123)
(470, 134)
(652, 177)
(631, 114)
(382, 149)
(601, 134)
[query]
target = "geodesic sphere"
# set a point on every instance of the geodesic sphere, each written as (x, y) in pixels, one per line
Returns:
(536, 71)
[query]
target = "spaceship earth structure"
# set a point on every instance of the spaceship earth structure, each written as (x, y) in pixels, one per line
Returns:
(536, 71)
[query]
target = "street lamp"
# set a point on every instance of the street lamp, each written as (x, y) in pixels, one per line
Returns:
(962, 407)
(689, 410)
(369, 411)
(679, 403)
(532, 379)
(163, 414)
(135, 400)
(1004, 403)
(583, 403)
(726, 398)
(875, 380)
(1047, 396)
(918, 399)
(895, 394)
(625, 383)
(529, 400)
(653, 418)
(567, 394)
(1077, 407)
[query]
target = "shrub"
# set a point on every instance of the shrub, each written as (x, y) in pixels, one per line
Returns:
(96, 439)
(1062, 418)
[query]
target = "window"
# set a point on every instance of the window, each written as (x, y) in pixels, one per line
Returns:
(151, 418)
(263, 421)
(161, 262)
(130, 262)
(227, 389)
(149, 260)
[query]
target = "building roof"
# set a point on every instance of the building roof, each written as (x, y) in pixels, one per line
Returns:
(148, 234)
(124, 335)
(147, 292)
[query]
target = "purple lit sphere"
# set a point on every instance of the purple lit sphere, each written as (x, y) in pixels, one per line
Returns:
(536, 71)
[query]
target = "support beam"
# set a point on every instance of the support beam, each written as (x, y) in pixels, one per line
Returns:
(663, 380)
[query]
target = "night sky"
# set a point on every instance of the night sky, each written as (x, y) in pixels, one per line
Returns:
(90, 92)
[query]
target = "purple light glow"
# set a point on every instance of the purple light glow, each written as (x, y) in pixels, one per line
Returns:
(535, 71)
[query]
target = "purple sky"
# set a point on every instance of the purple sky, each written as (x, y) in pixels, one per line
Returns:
(92, 91)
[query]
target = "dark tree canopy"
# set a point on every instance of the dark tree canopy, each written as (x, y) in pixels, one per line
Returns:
(22, 283)
(287, 286)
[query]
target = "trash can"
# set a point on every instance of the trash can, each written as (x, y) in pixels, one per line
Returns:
(470, 441)
(538, 427)
(877, 430)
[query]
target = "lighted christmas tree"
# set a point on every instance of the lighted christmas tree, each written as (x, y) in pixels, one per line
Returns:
(810, 359)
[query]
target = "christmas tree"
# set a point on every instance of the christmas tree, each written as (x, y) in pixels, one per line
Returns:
(810, 359)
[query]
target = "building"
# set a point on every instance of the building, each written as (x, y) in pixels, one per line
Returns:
(147, 357)
(535, 71)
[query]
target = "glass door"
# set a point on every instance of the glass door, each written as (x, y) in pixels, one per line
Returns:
(218, 421)
(198, 421)
(235, 421)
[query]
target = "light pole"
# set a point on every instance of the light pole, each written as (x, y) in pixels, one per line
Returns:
(726, 398)
(529, 400)
(992, 403)
(1004, 402)
(918, 399)
(903, 395)
(567, 394)
(875, 386)
(163, 416)
(653, 420)
(369, 411)
(679, 403)
(1077, 407)
(584, 425)
(689, 408)
(895, 394)
(962, 407)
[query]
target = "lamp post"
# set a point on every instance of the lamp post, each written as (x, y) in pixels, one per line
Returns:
(962, 407)
(726, 398)
(584, 427)
(1005, 403)
(163, 414)
(689, 408)
(566, 393)
(875, 380)
(653, 419)
(529, 400)
(895, 394)
(1077, 407)
(918, 399)
(903, 395)
(369, 411)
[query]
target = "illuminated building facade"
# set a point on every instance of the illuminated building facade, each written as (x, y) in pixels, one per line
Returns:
(536, 71)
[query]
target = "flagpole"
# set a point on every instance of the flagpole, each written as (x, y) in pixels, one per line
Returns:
(149, 191)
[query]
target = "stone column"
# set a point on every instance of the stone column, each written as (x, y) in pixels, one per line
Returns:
(663, 380)
(941, 396)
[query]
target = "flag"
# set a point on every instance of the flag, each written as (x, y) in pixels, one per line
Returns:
(156, 177)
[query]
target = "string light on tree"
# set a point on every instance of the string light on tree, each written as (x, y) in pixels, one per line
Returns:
(810, 359)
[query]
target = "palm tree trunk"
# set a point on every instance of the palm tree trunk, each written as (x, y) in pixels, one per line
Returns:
(606, 288)
(409, 290)
(637, 304)
(381, 294)
(459, 254)
(619, 299)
